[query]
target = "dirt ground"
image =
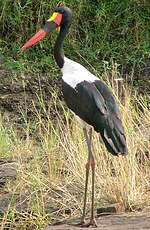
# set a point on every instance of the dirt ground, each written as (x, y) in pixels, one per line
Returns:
(21, 97)
(127, 221)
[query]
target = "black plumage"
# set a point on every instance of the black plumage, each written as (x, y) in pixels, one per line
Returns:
(95, 103)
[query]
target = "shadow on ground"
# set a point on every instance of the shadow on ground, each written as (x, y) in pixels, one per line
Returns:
(131, 221)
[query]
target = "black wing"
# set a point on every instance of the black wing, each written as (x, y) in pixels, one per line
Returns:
(96, 104)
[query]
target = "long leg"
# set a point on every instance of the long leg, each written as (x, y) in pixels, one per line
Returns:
(85, 193)
(93, 221)
(91, 162)
(88, 140)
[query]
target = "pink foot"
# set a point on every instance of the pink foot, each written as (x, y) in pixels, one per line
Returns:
(91, 224)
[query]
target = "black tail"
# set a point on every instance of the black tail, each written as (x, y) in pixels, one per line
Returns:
(114, 137)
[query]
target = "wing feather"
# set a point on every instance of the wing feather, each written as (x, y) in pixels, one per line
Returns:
(95, 103)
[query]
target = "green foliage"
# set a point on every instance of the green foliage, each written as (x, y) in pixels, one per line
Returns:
(4, 141)
(101, 30)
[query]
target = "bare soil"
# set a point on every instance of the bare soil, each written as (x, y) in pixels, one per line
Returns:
(126, 221)
(21, 96)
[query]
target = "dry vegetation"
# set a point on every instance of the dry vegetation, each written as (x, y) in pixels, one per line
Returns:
(51, 156)
(51, 171)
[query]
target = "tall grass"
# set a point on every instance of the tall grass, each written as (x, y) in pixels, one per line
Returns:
(51, 171)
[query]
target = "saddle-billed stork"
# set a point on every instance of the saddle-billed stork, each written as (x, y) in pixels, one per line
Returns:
(87, 96)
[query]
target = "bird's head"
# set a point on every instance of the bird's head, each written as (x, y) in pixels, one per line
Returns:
(60, 18)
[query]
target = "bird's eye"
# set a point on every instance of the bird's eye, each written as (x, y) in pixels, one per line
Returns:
(60, 10)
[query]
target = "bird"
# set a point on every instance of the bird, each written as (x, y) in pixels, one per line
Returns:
(90, 99)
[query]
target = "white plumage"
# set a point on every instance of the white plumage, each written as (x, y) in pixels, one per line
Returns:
(74, 73)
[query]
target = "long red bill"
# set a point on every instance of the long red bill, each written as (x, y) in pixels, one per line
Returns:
(36, 38)
(52, 23)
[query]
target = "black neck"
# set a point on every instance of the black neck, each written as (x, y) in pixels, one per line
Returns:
(58, 48)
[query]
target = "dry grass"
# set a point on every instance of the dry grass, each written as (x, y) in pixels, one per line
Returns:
(51, 173)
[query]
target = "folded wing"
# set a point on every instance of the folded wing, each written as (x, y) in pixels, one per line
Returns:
(95, 104)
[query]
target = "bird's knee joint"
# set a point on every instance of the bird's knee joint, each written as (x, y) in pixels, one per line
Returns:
(93, 163)
(90, 162)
